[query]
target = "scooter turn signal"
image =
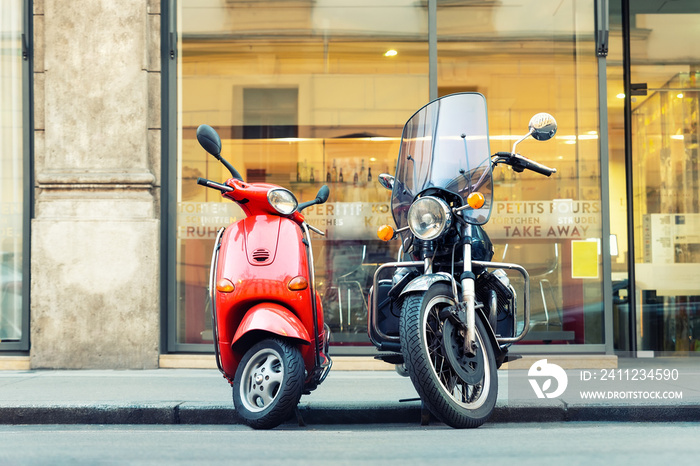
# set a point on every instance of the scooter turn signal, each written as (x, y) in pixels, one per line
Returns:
(225, 286)
(298, 284)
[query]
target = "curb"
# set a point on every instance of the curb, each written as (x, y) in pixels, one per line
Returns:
(198, 414)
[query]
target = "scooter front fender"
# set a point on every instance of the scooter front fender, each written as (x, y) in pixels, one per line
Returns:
(272, 318)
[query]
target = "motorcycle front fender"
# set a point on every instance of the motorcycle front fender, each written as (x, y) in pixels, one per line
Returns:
(272, 318)
(424, 282)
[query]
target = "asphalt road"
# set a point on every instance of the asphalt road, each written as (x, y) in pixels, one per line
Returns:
(521, 444)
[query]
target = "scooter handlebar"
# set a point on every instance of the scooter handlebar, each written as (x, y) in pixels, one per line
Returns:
(315, 230)
(214, 185)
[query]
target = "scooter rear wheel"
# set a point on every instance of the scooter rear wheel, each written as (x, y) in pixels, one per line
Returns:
(268, 383)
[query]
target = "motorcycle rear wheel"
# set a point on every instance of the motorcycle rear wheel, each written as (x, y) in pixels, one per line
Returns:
(453, 400)
(268, 383)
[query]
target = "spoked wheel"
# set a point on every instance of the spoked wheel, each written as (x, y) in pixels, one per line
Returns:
(459, 389)
(268, 383)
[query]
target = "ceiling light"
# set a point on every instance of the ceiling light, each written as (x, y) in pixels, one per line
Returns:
(621, 95)
(391, 53)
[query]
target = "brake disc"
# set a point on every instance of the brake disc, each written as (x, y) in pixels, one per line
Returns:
(469, 368)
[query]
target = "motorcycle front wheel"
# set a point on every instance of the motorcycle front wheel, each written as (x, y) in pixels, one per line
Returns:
(268, 383)
(459, 389)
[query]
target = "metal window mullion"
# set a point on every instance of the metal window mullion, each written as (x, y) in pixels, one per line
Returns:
(602, 34)
(168, 177)
(432, 50)
(629, 177)
(605, 206)
(27, 169)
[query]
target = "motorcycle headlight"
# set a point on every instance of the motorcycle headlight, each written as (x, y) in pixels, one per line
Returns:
(429, 217)
(282, 200)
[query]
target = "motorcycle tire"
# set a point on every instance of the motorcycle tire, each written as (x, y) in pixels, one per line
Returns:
(451, 399)
(268, 383)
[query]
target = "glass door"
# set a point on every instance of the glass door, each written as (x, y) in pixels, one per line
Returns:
(665, 95)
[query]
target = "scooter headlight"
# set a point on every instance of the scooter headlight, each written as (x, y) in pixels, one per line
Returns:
(429, 217)
(282, 200)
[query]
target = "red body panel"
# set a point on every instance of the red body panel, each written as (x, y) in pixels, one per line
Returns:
(273, 318)
(252, 198)
(260, 255)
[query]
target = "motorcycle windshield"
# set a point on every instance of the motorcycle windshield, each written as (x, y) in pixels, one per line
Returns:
(445, 145)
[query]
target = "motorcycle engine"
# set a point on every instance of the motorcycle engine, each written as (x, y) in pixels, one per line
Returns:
(496, 282)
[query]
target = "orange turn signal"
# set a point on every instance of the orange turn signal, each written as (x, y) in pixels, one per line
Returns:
(476, 200)
(225, 286)
(385, 232)
(298, 284)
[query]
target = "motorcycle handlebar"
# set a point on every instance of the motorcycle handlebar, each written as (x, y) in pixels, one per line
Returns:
(214, 185)
(520, 163)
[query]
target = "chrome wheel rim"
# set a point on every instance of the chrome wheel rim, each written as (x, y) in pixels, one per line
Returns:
(467, 395)
(261, 381)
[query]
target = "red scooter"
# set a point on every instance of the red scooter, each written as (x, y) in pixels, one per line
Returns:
(270, 339)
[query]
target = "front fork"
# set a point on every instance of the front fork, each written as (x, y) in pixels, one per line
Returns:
(467, 305)
(468, 295)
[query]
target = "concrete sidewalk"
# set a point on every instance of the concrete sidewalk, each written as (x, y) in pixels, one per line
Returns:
(635, 391)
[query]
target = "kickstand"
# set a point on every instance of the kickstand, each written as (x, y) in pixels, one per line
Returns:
(424, 414)
(300, 418)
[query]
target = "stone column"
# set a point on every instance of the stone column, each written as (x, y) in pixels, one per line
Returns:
(95, 238)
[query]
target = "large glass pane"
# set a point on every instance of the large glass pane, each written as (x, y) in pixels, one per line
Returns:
(302, 93)
(665, 135)
(11, 172)
(528, 57)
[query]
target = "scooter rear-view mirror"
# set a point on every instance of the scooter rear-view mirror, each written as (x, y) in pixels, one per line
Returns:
(211, 142)
(209, 139)
(323, 194)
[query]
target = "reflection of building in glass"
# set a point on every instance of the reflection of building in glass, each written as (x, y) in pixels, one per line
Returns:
(311, 92)
(327, 76)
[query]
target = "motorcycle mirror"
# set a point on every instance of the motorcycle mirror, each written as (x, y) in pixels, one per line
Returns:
(543, 126)
(386, 180)
(323, 194)
(209, 139)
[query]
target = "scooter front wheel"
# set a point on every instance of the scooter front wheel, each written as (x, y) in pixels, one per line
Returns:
(268, 383)
(459, 389)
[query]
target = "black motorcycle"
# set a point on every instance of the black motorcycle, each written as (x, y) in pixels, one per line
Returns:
(446, 312)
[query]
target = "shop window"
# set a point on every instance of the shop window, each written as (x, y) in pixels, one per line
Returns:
(530, 57)
(306, 93)
(303, 94)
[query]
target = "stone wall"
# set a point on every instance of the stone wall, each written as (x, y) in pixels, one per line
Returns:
(95, 237)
